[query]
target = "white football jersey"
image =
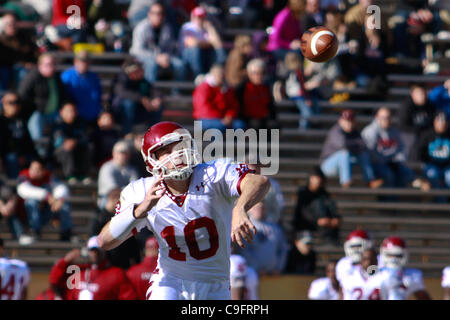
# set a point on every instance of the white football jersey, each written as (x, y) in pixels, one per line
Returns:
(360, 286)
(252, 284)
(322, 289)
(14, 278)
(193, 230)
(446, 278)
(399, 284)
(344, 267)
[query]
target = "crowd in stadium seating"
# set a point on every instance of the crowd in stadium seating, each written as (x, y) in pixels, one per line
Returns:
(56, 126)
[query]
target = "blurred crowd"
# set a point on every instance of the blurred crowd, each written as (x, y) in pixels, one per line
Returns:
(58, 127)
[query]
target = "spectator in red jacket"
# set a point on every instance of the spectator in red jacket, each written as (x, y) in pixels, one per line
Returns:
(215, 104)
(255, 97)
(140, 274)
(97, 280)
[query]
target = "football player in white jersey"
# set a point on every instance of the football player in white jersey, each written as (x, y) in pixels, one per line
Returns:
(397, 282)
(357, 241)
(194, 209)
(361, 283)
(14, 278)
(326, 288)
(446, 282)
(244, 280)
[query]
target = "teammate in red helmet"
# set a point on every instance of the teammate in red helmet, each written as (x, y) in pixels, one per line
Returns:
(397, 282)
(194, 209)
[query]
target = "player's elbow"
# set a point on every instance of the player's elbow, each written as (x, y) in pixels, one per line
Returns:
(264, 183)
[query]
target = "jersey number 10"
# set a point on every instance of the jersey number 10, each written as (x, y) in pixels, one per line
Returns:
(189, 235)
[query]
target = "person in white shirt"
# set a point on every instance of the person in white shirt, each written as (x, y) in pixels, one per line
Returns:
(445, 283)
(326, 288)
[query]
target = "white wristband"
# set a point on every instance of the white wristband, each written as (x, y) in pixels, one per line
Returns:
(122, 224)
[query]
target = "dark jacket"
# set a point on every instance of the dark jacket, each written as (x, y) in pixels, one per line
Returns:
(299, 263)
(310, 207)
(17, 49)
(125, 88)
(14, 136)
(414, 118)
(63, 131)
(34, 91)
(337, 139)
(434, 148)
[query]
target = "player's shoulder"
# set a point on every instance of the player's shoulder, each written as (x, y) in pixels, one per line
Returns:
(412, 272)
(320, 283)
(446, 271)
(19, 263)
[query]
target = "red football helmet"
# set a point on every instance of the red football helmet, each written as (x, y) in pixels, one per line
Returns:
(184, 156)
(394, 253)
(357, 241)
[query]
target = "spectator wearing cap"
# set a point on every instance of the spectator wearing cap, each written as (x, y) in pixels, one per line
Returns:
(287, 29)
(200, 43)
(16, 146)
(235, 67)
(98, 279)
(267, 253)
(45, 199)
(115, 173)
(141, 273)
(343, 148)
(83, 87)
(440, 98)
(42, 93)
(154, 45)
(135, 100)
(104, 137)
(302, 256)
(215, 104)
(70, 145)
(255, 97)
(316, 211)
(415, 117)
(386, 150)
(434, 152)
(125, 255)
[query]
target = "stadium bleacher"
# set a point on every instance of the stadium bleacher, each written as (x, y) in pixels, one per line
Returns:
(422, 223)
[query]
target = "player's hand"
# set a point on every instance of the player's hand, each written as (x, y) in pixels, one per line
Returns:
(241, 228)
(151, 198)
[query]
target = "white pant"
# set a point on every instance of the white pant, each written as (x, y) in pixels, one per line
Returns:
(165, 287)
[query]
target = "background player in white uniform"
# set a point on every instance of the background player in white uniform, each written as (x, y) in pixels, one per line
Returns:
(361, 283)
(244, 280)
(396, 281)
(446, 282)
(14, 278)
(192, 208)
(357, 241)
(326, 288)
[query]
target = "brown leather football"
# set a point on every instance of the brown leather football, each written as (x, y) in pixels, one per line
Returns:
(319, 44)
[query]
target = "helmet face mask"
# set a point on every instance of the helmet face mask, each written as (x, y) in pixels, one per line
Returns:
(357, 241)
(183, 158)
(393, 252)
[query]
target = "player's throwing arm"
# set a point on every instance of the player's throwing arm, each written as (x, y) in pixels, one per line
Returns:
(253, 190)
(118, 229)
